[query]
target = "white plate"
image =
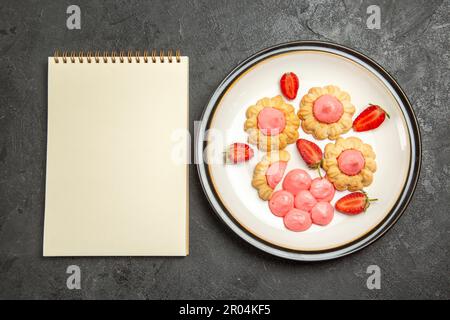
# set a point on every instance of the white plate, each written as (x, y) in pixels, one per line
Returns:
(396, 144)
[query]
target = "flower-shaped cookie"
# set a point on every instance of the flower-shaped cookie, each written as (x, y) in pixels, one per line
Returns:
(271, 124)
(269, 172)
(326, 112)
(349, 163)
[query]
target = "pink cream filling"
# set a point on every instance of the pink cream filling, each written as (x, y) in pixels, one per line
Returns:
(281, 203)
(322, 213)
(351, 162)
(275, 173)
(322, 189)
(296, 180)
(297, 220)
(271, 121)
(327, 109)
(304, 200)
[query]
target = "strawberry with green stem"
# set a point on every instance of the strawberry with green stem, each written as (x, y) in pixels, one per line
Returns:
(311, 154)
(354, 203)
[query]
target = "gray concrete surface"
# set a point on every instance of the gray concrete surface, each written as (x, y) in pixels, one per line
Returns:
(412, 44)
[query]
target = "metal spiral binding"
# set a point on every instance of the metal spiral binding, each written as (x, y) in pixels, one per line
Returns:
(117, 57)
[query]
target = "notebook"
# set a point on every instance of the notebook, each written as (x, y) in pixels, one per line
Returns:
(117, 155)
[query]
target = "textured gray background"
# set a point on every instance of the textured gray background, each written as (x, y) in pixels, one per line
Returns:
(412, 44)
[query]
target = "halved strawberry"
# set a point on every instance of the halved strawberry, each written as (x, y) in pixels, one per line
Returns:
(372, 117)
(238, 152)
(310, 153)
(354, 203)
(289, 85)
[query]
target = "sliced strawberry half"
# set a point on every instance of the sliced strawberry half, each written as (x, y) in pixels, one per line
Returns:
(372, 117)
(354, 203)
(289, 85)
(310, 153)
(238, 152)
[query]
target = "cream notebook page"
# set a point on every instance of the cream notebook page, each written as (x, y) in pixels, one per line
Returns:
(117, 158)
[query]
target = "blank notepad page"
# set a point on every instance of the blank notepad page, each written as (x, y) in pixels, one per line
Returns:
(117, 158)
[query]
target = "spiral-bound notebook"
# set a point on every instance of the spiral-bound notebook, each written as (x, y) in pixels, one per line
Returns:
(117, 155)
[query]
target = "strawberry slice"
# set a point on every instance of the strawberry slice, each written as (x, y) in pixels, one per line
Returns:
(289, 85)
(354, 203)
(238, 152)
(372, 117)
(310, 153)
